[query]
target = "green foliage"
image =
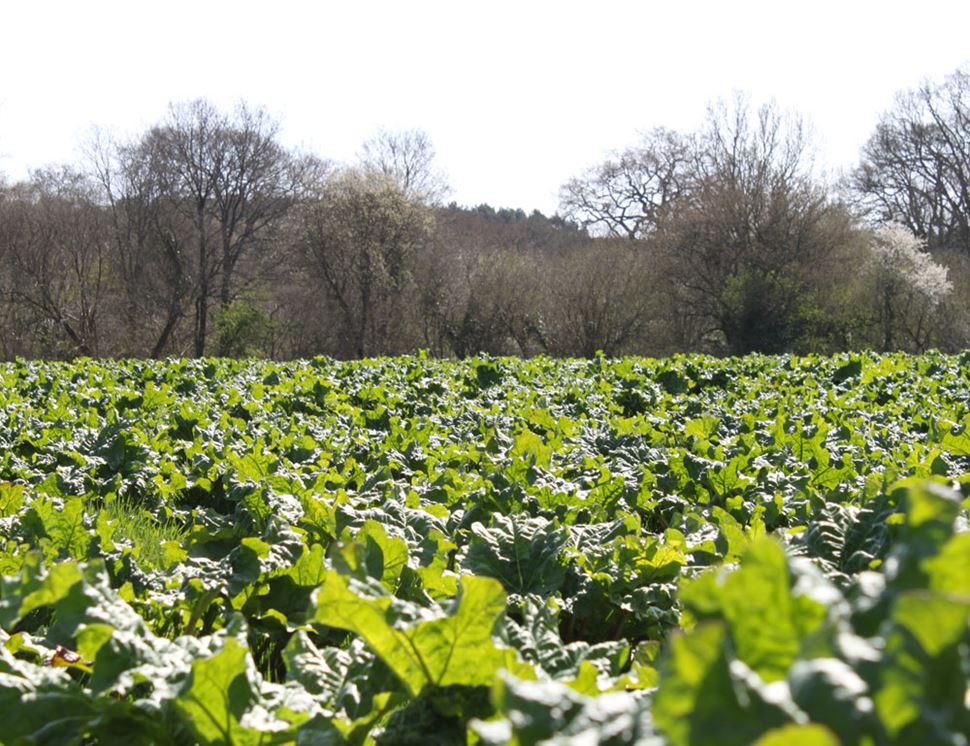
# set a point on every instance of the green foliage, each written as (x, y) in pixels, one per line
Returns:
(764, 312)
(753, 550)
(243, 329)
(905, 684)
(154, 539)
(454, 649)
(523, 553)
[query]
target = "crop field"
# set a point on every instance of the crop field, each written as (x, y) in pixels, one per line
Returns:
(768, 550)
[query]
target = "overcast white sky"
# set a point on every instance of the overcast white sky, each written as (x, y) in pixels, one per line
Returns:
(516, 96)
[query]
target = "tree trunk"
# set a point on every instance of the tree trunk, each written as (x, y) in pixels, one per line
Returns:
(202, 300)
(201, 312)
(174, 314)
(887, 319)
(225, 291)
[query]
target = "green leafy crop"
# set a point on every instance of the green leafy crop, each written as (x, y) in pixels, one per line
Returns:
(764, 550)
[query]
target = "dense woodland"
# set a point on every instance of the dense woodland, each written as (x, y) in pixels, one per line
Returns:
(204, 235)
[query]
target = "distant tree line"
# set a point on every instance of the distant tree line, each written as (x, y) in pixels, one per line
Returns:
(205, 236)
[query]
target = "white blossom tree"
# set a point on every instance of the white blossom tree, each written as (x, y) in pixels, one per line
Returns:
(910, 285)
(915, 169)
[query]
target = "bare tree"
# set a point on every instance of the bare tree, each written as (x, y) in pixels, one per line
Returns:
(150, 237)
(489, 284)
(627, 194)
(258, 184)
(915, 169)
(55, 251)
(748, 236)
(191, 149)
(408, 157)
(205, 185)
(599, 297)
(483, 299)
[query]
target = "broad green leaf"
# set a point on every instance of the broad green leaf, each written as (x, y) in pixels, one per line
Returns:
(44, 705)
(538, 640)
(35, 588)
(949, 571)
(930, 514)
(697, 701)
(452, 649)
(922, 682)
(929, 506)
(219, 696)
(11, 499)
(530, 448)
(524, 553)
(548, 712)
(956, 439)
(760, 589)
(937, 622)
(66, 716)
(799, 735)
(831, 693)
(372, 553)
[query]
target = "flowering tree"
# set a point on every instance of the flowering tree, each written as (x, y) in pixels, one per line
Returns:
(910, 285)
(915, 169)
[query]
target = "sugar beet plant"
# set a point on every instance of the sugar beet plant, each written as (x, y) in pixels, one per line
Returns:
(687, 551)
